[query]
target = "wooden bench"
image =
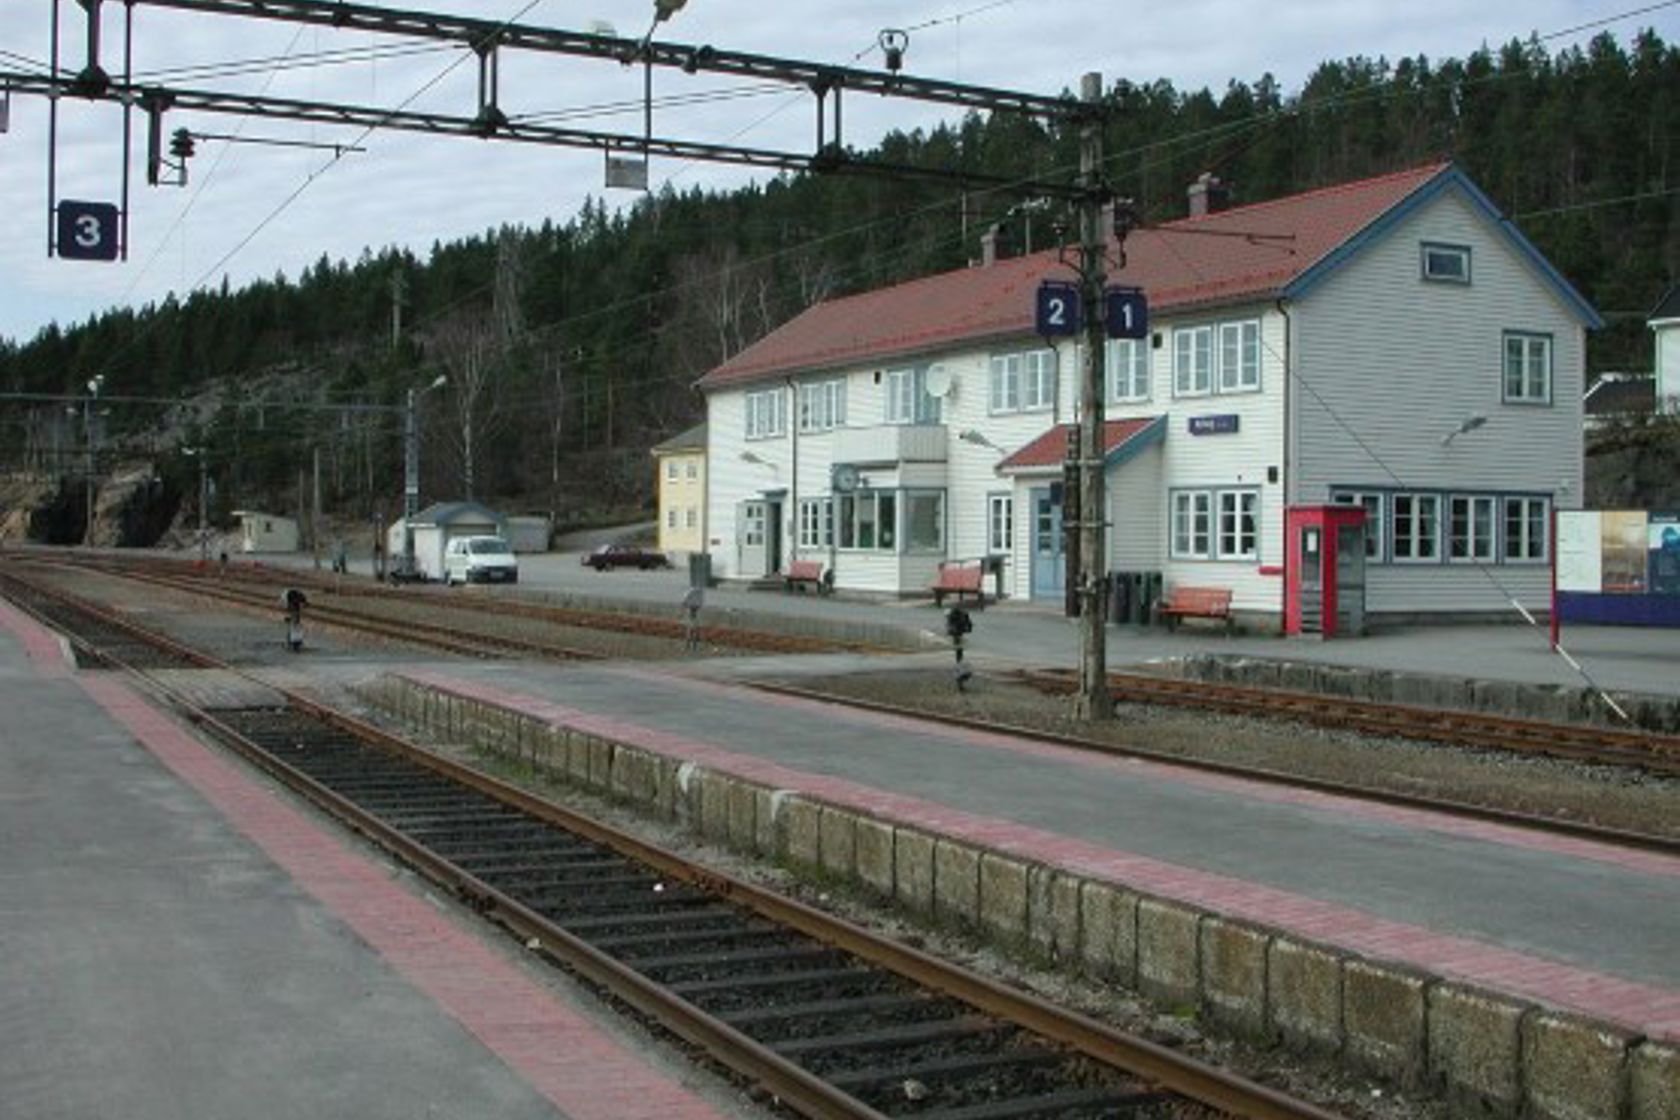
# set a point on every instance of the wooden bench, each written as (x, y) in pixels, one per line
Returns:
(959, 580)
(801, 573)
(1195, 602)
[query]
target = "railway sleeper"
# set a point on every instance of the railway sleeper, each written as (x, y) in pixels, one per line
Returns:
(871, 1080)
(742, 936)
(717, 992)
(968, 1030)
(1074, 1104)
(789, 959)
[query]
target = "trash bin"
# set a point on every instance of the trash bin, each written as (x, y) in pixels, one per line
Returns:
(1120, 596)
(1148, 594)
(700, 569)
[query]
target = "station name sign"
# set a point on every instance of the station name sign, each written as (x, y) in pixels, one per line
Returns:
(1220, 425)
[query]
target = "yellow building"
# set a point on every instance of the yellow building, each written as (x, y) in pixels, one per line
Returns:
(681, 463)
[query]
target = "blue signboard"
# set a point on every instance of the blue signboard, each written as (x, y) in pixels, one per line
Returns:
(1127, 313)
(1222, 424)
(87, 231)
(1058, 309)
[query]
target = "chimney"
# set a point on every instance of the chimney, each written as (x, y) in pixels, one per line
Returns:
(993, 245)
(1208, 195)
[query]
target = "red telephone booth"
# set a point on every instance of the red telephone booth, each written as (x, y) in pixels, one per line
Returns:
(1324, 584)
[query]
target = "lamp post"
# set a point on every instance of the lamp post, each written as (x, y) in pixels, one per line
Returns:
(411, 472)
(203, 457)
(93, 386)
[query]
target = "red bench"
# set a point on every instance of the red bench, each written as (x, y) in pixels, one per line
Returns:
(802, 572)
(959, 580)
(1195, 602)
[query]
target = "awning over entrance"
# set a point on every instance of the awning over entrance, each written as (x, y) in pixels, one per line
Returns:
(1122, 439)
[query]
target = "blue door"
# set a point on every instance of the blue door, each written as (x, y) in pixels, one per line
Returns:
(1049, 568)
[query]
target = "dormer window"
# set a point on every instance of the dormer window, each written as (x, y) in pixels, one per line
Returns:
(1446, 264)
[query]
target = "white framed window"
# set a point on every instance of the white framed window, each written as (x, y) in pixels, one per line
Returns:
(1005, 384)
(924, 521)
(822, 405)
(1038, 380)
(1527, 530)
(868, 522)
(816, 522)
(1192, 524)
(1416, 530)
(670, 470)
(1128, 369)
(1192, 361)
(1470, 528)
(693, 470)
(766, 414)
(1373, 505)
(1239, 356)
(691, 518)
(1528, 368)
(907, 400)
(1239, 524)
(671, 518)
(1446, 264)
(1000, 523)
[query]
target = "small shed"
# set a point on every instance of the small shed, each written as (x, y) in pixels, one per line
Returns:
(528, 534)
(266, 532)
(438, 524)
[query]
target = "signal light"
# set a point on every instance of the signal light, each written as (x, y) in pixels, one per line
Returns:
(181, 144)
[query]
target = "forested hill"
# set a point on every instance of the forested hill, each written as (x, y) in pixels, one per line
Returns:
(565, 338)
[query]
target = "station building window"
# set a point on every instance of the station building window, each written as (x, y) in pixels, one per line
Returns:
(1416, 531)
(766, 414)
(1528, 368)
(1527, 530)
(1000, 523)
(1372, 502)
(1446, 264)
(1128, 364)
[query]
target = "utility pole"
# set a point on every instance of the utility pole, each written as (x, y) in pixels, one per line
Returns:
(411, 480)
(1094, 701)
(315, 512)
(399, 294)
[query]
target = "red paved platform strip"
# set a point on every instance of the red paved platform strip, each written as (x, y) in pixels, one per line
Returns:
(1645, 1008)
(586, 1073)
(41, 644)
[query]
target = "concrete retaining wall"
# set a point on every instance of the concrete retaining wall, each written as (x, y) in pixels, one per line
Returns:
(1488, 1054)
(1387, 686)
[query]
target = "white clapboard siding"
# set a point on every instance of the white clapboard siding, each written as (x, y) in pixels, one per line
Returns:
(1388, 364)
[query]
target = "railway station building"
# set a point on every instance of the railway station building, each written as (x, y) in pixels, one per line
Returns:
(1393, 343)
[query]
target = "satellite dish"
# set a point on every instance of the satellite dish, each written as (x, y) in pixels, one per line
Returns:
(938, 381)
(845, 478)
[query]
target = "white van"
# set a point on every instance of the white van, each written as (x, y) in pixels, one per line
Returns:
(479, 560)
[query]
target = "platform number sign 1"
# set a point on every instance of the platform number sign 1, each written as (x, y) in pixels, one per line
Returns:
(1127, 313)
(87, 231)
(1058, 310)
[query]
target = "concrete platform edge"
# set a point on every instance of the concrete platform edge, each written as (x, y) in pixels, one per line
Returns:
(1487, 1053)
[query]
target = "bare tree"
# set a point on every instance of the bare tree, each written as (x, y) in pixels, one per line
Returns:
(471, 362)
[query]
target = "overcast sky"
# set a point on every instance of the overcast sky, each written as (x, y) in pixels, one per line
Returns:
(234, 218)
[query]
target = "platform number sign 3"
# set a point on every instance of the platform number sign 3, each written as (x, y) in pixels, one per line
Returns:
(1127, 313)
(87, 231)
(1058, 310)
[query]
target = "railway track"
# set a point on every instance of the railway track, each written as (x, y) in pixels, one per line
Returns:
(1577, 829)
(185, 577)
(833, 1020)
(1138, 687)
(1601, 746)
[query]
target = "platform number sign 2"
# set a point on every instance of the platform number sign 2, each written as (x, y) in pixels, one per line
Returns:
(1127, 313)
(87, 231)
(1058, 310)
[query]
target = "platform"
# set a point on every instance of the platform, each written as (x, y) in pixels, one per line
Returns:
(1468, 948)
(178, 940)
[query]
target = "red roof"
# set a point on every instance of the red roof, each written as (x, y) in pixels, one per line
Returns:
(1051, 448)
(1244, 253)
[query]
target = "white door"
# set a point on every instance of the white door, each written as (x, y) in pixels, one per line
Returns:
(750, 539)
